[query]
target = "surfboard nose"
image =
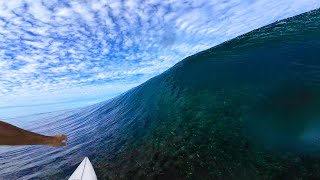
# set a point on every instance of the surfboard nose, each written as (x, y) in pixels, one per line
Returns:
(84, 171)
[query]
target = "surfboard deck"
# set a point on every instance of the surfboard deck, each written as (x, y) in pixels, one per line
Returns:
(84, 171)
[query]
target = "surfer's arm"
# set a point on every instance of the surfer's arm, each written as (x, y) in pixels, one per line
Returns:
(12, 135)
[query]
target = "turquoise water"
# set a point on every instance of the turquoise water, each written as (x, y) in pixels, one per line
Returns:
(245, 109)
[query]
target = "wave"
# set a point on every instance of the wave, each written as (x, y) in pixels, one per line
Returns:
(245, 109)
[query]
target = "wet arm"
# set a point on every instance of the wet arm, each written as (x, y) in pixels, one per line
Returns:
(12, 135)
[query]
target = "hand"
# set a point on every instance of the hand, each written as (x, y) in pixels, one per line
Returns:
(57, 140)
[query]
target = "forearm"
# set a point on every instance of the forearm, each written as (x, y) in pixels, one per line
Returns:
(12, 135)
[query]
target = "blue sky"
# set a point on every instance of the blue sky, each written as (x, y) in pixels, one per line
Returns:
(64, 54)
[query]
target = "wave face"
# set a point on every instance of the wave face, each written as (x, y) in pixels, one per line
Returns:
(245, 109)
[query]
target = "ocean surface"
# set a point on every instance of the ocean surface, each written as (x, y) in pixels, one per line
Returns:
(246, 109)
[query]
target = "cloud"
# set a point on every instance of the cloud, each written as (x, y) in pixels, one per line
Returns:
(55, 50)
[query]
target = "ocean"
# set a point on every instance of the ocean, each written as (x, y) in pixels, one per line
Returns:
(245, 109)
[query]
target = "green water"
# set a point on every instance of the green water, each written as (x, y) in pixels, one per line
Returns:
(246, 109)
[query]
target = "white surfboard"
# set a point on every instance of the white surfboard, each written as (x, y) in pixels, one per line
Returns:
(84, 171)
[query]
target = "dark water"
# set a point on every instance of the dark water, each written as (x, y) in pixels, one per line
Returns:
(246, 109)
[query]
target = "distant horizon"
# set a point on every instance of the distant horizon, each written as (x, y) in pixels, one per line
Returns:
(42, 108)
(34, 109)
(65, 55)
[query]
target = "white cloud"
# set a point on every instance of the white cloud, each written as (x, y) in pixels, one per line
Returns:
(56, 50)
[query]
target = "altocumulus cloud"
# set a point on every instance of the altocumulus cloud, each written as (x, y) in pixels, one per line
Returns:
(64, 51)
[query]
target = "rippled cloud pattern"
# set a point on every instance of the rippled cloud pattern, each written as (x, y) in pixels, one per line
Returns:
(65, 51)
